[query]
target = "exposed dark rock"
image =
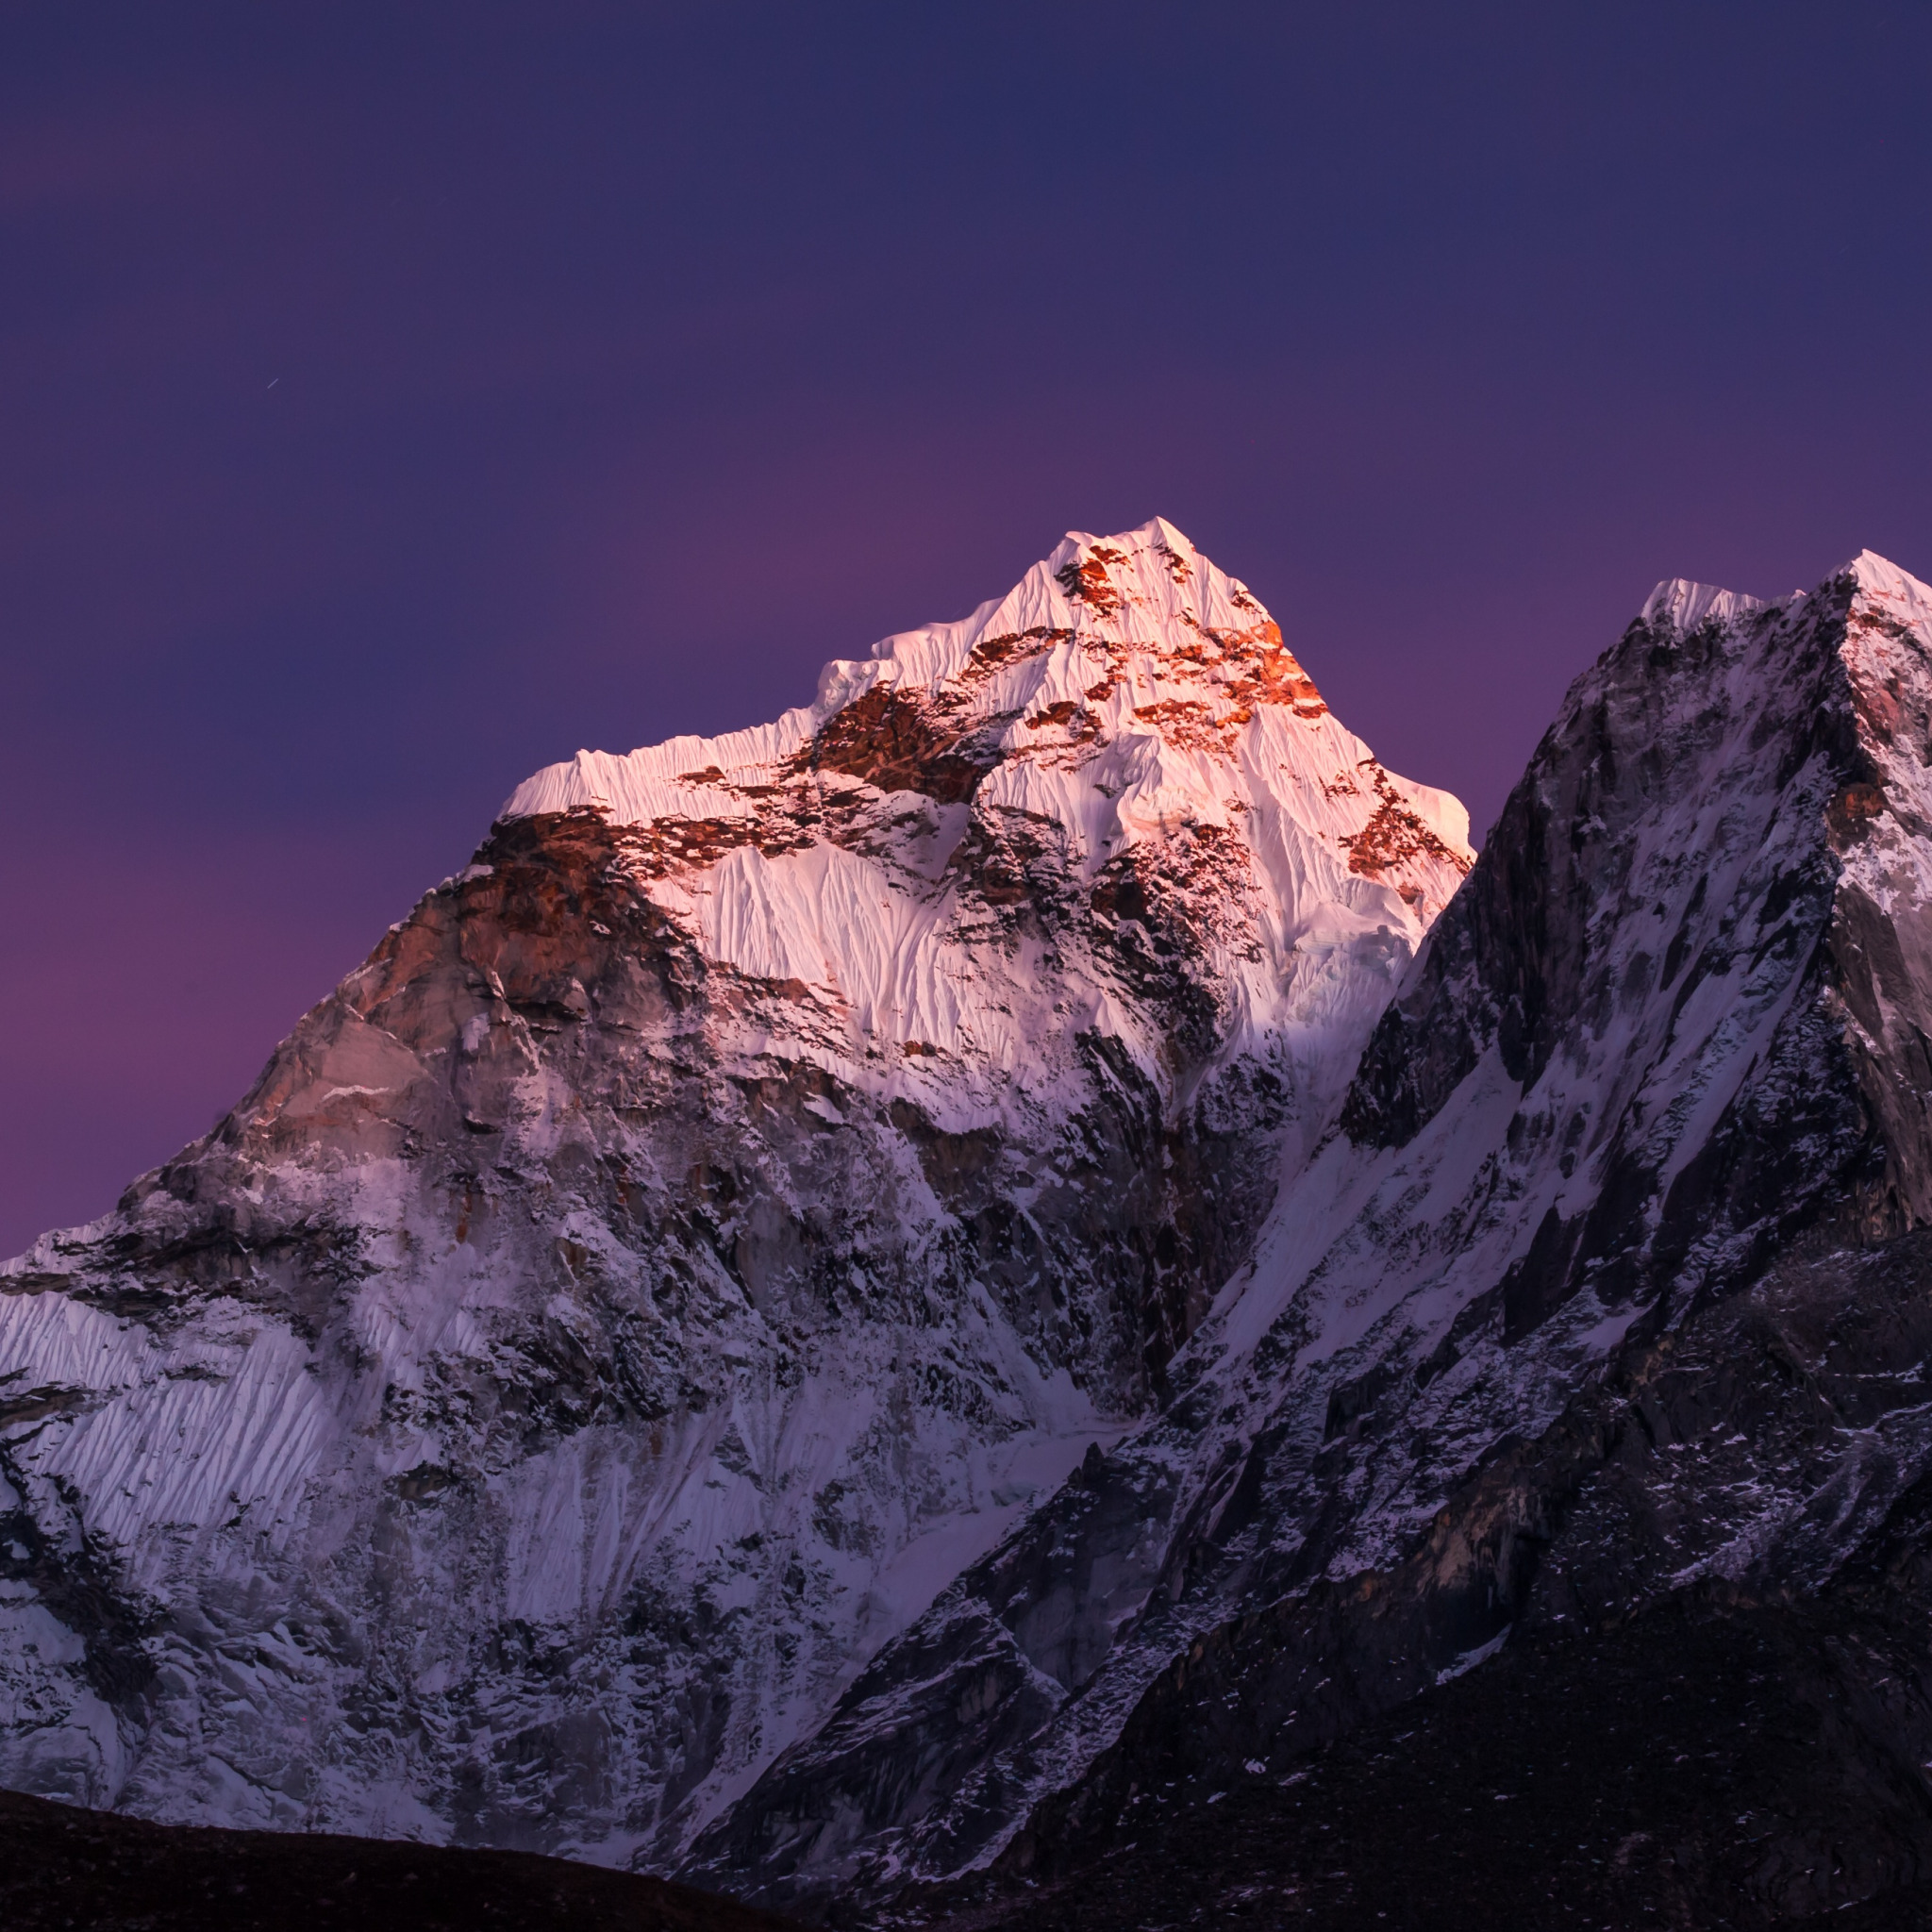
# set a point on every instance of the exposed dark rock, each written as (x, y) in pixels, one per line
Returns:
(1683, 1635)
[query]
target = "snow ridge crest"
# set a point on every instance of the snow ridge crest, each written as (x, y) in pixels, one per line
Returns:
(1678, 603)
(1132, 610)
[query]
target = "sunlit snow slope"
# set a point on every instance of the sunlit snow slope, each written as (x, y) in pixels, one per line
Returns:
(702, 1230)
(1672, 1030)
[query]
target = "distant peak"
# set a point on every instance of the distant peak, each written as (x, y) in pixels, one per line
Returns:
(1678, 603)
(1681, 606)
(1879, 576)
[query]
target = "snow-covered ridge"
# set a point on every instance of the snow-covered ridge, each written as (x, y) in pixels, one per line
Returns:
(1680, 605)
(1683, 605)
(1174, 642)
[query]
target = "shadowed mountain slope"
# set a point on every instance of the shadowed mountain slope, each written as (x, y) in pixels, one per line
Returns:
(63, 1868)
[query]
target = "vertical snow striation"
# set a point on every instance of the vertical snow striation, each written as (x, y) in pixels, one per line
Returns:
(1672, 1027)
(704, 1229)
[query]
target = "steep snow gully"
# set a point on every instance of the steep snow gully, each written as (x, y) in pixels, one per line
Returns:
(846, 1290)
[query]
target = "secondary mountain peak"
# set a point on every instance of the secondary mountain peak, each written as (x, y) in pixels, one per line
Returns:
(1680, 605)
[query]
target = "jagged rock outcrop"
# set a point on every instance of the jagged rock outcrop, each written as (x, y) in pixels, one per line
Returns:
(1672, 1031)
(699, 1231)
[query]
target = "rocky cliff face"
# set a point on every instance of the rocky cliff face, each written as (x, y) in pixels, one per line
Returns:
(702, 1230)
(1673, 1031)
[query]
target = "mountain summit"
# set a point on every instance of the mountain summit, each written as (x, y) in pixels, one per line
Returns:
(703, 1228)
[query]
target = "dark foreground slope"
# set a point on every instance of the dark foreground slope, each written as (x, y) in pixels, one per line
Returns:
(99, 1872)
(1746, 1748)
(1694, 1769)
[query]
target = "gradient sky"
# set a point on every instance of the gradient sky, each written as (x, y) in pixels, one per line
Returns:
(395, 397)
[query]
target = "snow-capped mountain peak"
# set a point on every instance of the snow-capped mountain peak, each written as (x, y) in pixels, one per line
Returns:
(1879, 577)
(1126, 708)
(1118, 664)
(699, 1231)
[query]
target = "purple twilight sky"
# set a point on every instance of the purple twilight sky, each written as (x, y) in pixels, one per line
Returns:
(395, 397)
